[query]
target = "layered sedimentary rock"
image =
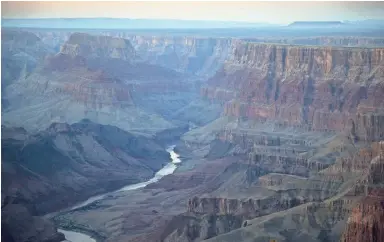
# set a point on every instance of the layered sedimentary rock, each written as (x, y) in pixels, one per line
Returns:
(354, 206)
(21, 53)
(326, 88)
(201, 56)
(289, 175)
(92, 83)
(285, 105)
(92, 46)
(324, 40)
(366, 220)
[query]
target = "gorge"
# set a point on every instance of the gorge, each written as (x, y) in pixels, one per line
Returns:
(281, 136)
(166, 170)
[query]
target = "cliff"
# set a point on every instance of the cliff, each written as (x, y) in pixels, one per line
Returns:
(327, 88)
(92, 46)
(194, 55)
(93, 84)
(366, 220)
(21, 52)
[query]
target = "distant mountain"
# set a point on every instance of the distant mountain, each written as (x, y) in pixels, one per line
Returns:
(367, 22)
(316, 24)
(118, 23)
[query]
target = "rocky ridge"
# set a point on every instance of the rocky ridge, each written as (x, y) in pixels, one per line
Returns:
(72, 159)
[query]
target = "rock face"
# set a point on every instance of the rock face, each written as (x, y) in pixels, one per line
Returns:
(92, 83)
(91, 46)
(300, 117)
(200, 56)
(203, 228)
(21, 53)
(366, 220)
(326, 88)
(80, 159)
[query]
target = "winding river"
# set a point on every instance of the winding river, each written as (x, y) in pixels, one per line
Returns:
(166, 170)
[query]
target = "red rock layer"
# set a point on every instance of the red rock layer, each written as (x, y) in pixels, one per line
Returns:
(366, 222)
(327, 88)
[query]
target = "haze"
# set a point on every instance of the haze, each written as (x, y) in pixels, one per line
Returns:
(272, 12)
(192, 121)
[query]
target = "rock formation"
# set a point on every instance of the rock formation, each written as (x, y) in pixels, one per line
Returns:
(21, 52)
(201, 56)
(70, 86)
(92, 46)
(296, 154)
(71, 159)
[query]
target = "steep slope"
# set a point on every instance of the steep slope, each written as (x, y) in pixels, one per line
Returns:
(194, 55)
(18, 224)
(92, 46)
(67, 163)
(69, 87)
(21, 52)
(326, 220)
(324, 88)
(301, 118)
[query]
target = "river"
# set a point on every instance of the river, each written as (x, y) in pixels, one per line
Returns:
(166, 170)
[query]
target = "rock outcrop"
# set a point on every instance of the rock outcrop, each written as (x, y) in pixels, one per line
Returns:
(366, 220)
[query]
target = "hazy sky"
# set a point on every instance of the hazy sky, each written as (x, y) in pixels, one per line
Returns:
(272, 12)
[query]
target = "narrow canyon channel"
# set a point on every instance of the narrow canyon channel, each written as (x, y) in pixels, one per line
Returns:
(166, 170)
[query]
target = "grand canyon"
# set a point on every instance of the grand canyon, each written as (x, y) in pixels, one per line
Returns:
(184, 135)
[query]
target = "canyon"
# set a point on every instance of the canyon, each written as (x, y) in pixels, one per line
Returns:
(281, 136)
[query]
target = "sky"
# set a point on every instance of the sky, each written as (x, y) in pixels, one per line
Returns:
(268, 11)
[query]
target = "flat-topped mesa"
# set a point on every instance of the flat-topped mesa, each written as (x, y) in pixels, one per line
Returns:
(324, 87)
(90, 46)
(324, 40)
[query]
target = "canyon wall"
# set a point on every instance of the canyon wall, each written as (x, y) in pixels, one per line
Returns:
(366, 220)
(193, 55)
(325, 88)
(98, 47)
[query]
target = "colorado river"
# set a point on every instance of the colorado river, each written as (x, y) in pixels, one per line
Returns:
(166, 170)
